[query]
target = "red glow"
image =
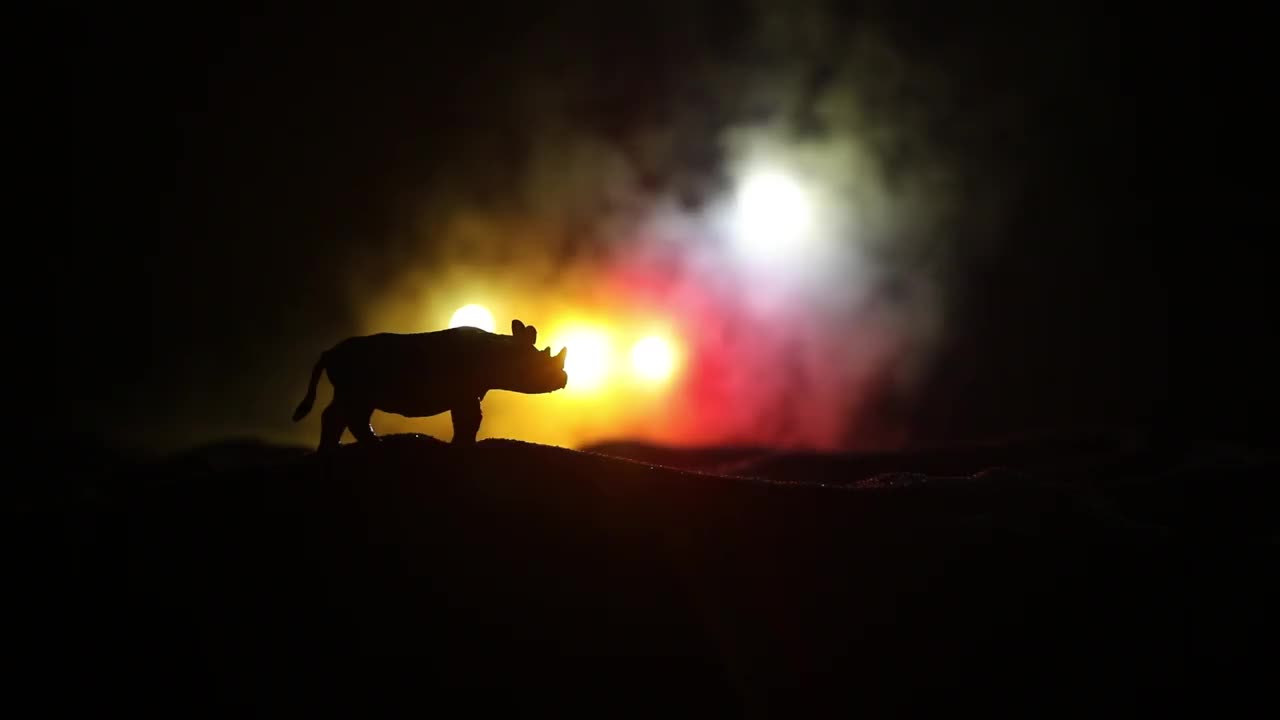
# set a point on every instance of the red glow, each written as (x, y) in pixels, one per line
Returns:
(753, 365)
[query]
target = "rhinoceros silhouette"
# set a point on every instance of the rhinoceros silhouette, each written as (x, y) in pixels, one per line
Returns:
(425, 374)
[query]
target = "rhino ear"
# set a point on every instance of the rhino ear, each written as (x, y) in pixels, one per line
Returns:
(547, 351)
(531, 334)
(517, 328)
(560, 356)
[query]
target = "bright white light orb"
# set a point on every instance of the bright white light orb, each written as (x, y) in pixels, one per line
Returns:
(589, 356)
(653, 358)
(477, 316)
(773, 213)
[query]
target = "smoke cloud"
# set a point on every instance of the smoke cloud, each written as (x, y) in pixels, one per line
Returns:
(808, 349)
(581, 164)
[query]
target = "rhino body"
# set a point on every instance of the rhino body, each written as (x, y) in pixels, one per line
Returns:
(425, 374)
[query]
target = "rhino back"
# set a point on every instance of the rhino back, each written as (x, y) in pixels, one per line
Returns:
(420, 373)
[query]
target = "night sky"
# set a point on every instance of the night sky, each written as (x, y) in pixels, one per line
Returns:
(1030, 220)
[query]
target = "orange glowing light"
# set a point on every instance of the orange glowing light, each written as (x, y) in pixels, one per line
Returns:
(653, 358)
(590, 355)
(473, 316)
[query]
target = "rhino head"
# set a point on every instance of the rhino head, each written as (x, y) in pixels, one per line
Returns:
(526, 369)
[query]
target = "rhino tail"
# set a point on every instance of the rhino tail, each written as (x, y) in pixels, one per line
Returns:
(304, 407)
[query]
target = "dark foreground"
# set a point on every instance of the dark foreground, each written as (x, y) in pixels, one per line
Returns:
(411, 575)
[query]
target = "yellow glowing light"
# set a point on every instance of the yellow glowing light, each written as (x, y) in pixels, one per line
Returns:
(653, 358)
(472, 316)
(590, 354)
(773, 212)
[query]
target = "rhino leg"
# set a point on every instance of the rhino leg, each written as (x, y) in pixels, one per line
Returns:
(466, 421)
(332, 423)
(358, 422)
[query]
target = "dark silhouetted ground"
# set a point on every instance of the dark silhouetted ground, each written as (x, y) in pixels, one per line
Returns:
(1109, 576)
